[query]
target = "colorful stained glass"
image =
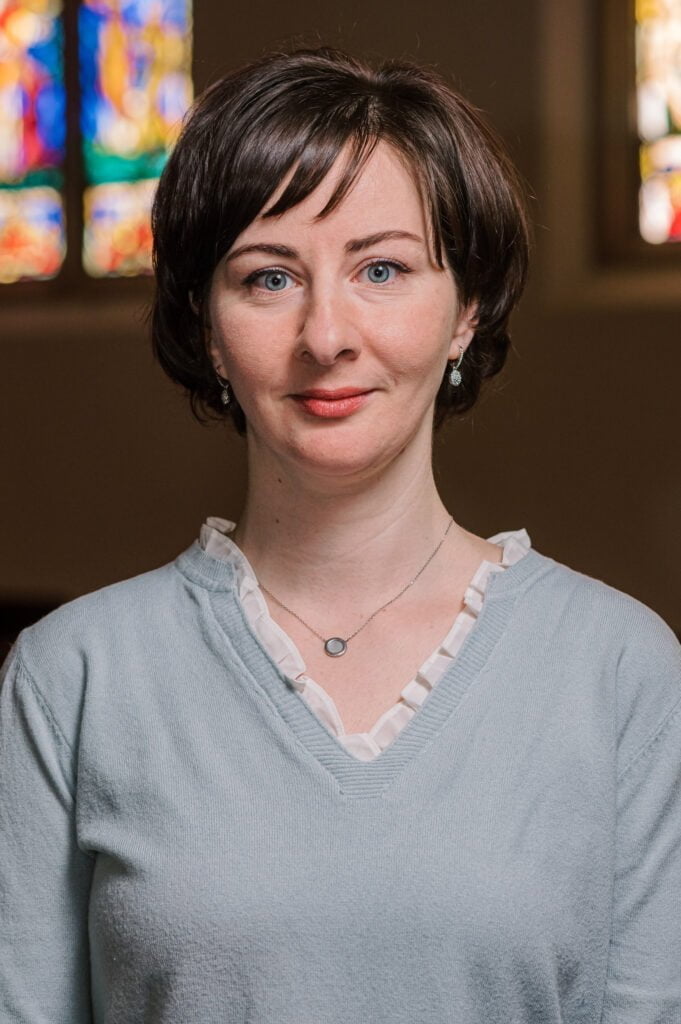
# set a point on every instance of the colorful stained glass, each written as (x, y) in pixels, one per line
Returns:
(32, 243)
(658, 57)
(117, 227)
(135, 87)
(32, 139)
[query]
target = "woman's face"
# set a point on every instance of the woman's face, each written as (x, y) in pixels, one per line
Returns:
(335, 333)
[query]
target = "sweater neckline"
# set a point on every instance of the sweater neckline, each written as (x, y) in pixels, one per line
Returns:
(256, 670)
(218, 574)
(216, 538)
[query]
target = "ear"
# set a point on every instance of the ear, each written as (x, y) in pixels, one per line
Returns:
(213, 350)
(204, 322)
(464, 329)
(212, 347)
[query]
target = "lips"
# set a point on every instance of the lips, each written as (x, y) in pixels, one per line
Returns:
(332, 403)
(333, 394)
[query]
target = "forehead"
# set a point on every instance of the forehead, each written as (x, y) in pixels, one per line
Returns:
(384, 196)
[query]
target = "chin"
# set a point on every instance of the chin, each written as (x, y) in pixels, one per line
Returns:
(353, 449)
(345, 461)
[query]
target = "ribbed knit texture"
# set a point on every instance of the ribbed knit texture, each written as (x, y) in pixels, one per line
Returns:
(182, 841)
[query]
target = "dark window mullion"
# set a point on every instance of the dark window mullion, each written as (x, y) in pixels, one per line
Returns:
(72, 273)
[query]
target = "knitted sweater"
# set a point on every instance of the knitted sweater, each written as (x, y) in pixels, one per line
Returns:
(182, 841)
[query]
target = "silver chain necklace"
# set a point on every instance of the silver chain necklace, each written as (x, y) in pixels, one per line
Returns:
(335, 646)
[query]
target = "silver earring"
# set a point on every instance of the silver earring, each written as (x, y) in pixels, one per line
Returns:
(226, 395)
(455, 377)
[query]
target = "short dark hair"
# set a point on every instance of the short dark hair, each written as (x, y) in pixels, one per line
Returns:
(250, 128)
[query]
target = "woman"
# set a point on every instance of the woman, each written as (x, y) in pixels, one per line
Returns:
(343, 761)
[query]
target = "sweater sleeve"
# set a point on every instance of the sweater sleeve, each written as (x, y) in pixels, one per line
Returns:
(644, 967)
(44, 876)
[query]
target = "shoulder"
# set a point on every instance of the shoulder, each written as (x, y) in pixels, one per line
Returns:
(594, 628)
(85, 621)
(556, 592)
(601, 610)
(92, 634)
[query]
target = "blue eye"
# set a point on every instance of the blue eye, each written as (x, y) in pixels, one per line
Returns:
(274, 280)
(384, 271)
(379, 273)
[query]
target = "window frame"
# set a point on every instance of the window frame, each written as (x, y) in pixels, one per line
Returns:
(576, 268)
(617, 142)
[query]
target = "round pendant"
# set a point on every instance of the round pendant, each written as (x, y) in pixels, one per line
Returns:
(334, 647)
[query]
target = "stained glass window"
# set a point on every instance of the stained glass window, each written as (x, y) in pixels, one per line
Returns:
(135, 87)
(32, 139)
(658, 59)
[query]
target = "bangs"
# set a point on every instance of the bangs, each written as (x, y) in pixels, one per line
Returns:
(279, 141)
(314, 160)
(294, 132)
(313, 154)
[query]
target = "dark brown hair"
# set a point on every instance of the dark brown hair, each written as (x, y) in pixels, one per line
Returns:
(252, 126)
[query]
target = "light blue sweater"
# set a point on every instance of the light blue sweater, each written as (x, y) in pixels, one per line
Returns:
(182, 840)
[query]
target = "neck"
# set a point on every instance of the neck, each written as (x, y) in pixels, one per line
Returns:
(354, 541)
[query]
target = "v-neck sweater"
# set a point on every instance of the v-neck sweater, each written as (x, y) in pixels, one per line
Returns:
(182, 841)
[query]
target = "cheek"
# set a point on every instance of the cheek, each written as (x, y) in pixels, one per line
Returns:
(246, 349)
(418, 343)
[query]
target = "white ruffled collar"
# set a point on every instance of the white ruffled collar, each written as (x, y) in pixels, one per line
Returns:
(215, 540)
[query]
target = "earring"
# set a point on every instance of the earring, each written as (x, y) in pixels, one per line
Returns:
(226, 395)
(455, 377)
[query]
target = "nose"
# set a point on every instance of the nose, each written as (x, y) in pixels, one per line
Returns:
(327, 330)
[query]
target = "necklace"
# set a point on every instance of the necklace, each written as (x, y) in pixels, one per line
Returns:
(335, 646)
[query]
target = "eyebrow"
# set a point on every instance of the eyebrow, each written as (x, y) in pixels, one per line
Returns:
(357, 244)
(354, 245)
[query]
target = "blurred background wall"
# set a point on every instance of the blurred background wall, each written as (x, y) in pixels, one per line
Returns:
(106, 475)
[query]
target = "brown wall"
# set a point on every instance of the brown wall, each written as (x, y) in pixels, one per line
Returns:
(105, 474)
